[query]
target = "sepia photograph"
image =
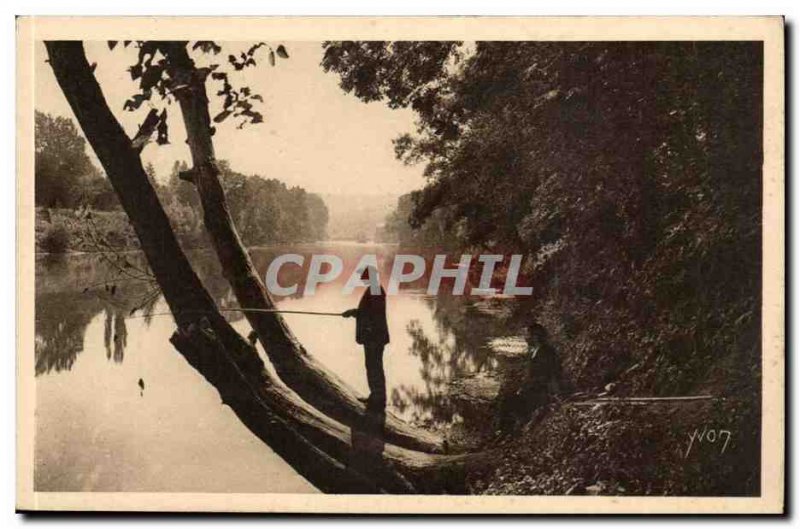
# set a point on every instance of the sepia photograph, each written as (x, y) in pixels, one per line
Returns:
(400, 265)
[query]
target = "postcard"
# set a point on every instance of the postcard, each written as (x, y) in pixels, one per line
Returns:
(443, 265)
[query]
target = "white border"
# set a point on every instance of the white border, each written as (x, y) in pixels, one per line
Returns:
(468, 28)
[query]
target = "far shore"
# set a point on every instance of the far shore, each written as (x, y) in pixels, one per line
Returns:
(349, 242)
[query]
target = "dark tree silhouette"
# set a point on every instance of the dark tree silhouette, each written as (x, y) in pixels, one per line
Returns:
(628, 172)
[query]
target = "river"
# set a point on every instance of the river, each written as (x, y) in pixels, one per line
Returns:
(118, 409)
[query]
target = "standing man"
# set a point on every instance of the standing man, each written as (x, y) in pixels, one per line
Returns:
(372, 332)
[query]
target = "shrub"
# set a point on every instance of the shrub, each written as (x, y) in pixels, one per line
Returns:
(55, 240)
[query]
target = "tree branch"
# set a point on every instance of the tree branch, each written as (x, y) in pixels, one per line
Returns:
(296, 367)
(145, 131)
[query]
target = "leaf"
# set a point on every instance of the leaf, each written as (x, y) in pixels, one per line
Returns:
(150, 77)
(147, 52)
(254, 47)
(112, 44)
(282, 53)
(207, 46)
(135, 102)
(136, 71)
(219, 118)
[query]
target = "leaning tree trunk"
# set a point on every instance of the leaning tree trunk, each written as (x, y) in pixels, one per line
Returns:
(248, 388)
(318, 447)
(129, 180)
(296, 367)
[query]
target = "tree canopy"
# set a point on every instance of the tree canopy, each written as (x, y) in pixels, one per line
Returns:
(630, 173)
(63, 170)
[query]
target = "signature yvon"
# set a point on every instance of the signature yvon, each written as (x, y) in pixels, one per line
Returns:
(709, 436)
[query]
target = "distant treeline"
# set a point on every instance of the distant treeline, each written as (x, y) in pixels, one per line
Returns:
(434, 232)
(265, 211)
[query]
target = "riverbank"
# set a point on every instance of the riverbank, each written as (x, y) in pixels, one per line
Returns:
(450, 360)
(61, 231)
(581, 445)
(69, 231)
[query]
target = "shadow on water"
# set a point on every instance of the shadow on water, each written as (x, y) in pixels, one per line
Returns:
(367, 439)
(451, 379)
(60, 328)
(367, 442)
(460, 373)
(70, 293)
(72, 290)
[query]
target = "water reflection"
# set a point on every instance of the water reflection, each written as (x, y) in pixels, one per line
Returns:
(459, 374)
(115, 332)
(60, 327)
(440, 373)
(454, 349)
(70, 293)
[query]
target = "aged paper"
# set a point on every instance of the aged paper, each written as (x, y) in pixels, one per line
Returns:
(401, 265)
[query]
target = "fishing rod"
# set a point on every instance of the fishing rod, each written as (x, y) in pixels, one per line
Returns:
(236, 309)
(281, 311)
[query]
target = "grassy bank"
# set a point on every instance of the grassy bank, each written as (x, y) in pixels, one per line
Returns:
(67, 230)
(696, 448)
(577, 445)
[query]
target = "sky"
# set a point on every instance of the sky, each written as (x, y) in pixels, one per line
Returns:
(314, 134)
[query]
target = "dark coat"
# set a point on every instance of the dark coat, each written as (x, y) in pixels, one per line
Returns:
(371, 326)
(544, 368)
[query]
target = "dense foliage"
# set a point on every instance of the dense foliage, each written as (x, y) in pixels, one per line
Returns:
(630, 173)
(55, 239)
(65, 176)
(435, 232)
(265, 211)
